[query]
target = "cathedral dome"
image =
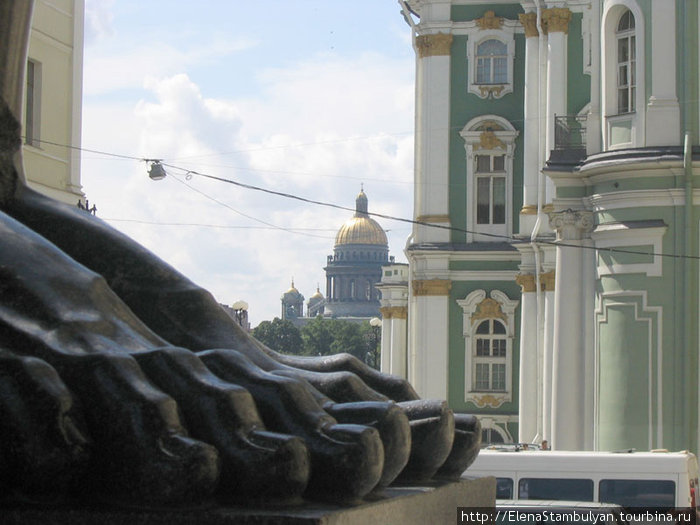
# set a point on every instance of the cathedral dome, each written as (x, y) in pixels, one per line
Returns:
(292, 294)
(361, 229)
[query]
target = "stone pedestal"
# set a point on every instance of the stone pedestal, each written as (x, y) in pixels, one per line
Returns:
(436, 502)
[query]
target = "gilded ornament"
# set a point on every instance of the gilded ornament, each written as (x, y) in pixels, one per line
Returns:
(394, 312)
(489, 140)
(432, 287)
(489, 21)
(556, 20)
(489, 309)
(437, 44)
(526, 282)
(529, 22)
(488, 400)
(433, 218)
(490, 91)
(547, 281)
(528, 209)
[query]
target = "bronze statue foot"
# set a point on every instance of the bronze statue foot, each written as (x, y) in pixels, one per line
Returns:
(346, 460)
(465, 448)
(256, 464)
(44, 444)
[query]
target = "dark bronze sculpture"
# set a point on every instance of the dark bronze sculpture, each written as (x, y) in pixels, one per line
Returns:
(120, 377)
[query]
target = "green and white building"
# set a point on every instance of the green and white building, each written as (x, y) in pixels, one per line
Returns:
(552, 285)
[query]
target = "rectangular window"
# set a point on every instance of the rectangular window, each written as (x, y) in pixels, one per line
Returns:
(638, 493)
(500, 70)
(556, 489)
(483, 200)
(483, 71)
(499, 200)
(498, 377)
(32, 107)
(482, 377)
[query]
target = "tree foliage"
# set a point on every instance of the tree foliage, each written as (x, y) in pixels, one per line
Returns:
(280, 335)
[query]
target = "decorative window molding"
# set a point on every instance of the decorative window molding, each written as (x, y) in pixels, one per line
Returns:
(488, 326)
(623, 74)
(489, 141)
(490, 56)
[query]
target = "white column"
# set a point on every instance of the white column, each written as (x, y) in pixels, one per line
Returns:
(386, 348)
(432, 131)
(548, 283)
(529, 373)
(398, 346)
(663, 111)
(430, 316)
(588, 256)
(531, 166)
(568, 361)
(557, 22)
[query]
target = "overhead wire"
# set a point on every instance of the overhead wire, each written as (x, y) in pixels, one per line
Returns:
(505, 238)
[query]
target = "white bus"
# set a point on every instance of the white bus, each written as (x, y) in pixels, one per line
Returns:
(630, 479)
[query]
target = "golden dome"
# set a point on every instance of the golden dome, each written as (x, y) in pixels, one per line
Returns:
(361, 229)
(292, 292)
(317, 295)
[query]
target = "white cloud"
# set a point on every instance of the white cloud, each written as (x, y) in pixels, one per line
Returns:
(316, 129)
(98, 20)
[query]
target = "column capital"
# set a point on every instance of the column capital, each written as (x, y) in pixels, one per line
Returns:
(529, 22)
(571, 224)
(556, 20)
(547, 281)
(394, 312)
(432, 287)
(436, 44)
(526, 282)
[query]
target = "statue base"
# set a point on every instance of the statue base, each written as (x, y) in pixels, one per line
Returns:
(434, 502)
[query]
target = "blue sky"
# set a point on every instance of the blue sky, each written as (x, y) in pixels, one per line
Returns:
(310, 98)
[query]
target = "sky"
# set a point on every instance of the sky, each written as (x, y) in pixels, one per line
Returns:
(312, 98)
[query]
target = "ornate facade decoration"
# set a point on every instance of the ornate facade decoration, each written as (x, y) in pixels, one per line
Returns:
(489, 21)
(433, 218)
(488, 400)
(529, 22)
(556, 19)
(527, 282)
(432, 287)
(571, 224)
(436, 44)
(489, 140)
(489, 308)
(394, 312)
(547, 281)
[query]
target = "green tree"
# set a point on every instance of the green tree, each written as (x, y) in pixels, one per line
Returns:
(324, 336)
(280, 335)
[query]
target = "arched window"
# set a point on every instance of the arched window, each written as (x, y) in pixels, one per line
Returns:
(490, 356)
(491, 62)
(626, 63)
(489, 330)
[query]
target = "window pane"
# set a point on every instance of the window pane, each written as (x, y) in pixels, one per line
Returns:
(491, 48)
(483, 70)
(483, 328)
(482, 200)
(504, 488)
(499, 163)
(632, 99)
(638, 493)
(481, 380)
(622, 75)
(498, 328)
(633, 49)
(482, 348)
(500, 70)
(622, 100)
(483, 163)
(558, 489)
(498, 378)
(499, 200)
(499, 347)
(622, 50)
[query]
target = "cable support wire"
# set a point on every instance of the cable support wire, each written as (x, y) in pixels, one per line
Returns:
(506, 238)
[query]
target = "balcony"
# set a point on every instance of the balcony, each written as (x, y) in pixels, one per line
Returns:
(569, 139)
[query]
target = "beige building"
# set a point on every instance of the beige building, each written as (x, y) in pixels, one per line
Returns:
(53, 99)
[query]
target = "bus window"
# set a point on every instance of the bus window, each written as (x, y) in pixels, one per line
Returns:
(504, 488)
(638, 493)
(556, 489)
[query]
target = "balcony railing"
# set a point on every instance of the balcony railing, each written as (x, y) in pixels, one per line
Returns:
(569, 137)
